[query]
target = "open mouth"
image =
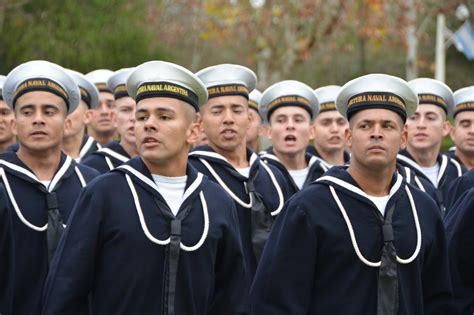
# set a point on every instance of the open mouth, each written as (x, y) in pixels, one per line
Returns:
(290, 139)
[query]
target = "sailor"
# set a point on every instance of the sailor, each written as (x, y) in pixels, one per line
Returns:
(462, 132)
(116, 153)
(359, 240)
(101, 123)
(329, 129)
(152, 236)
(459, 224)
(426, 129)
(76, 143)
(290, 107)
(259, 190)
(255, 125)
(7, 119)
(42, 183)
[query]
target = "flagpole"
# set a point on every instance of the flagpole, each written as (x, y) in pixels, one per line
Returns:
(440, 72)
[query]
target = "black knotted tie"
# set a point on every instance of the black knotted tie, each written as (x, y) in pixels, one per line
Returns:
(172, 253)
(55, 224)
(261, 220)
(387, 297)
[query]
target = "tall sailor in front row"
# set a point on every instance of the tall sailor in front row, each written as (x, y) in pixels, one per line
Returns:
(290, 107)
(259, 190)
(116, 153)
(164, 239)
(359, 240)
(42, 183)
(426, 129)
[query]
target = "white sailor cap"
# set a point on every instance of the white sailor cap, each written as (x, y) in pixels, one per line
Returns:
(327, 97)
(100, 77)
(117, 82)
(254, 99)
(40, 75)
(228, 79)
(165, 79)
(464, 100)
(288, 93)
(434, 92)
(377, 91)
(89, 93)
(2, 80)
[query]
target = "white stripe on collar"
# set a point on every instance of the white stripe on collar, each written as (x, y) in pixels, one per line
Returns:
(410, 161)
(323, 164)
(442, 168)
(215, 155)
(86, 147)
(357, 190)
(26, 172)
(458, 166)
(152, 184)
(114, 154)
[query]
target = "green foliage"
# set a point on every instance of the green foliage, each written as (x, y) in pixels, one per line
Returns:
(82, 35)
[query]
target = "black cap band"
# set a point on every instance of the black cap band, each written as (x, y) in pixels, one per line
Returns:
(327, 106)
(369, 100)
(253, 105)
(102, 87)
(120, 91)
(289, 100)
(433, 100)
(85, 96)
(229, 89)
(40, 84)
(167, 89)
(463, 107)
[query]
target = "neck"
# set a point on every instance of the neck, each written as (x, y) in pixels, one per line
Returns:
(466, 158)
(101, 137)
(237, 158)
(6, 144)
(130, 148)
(333, 157)
(254, 145)
(174, 168)
(372, 182)
(43, 164)
(425, 158)
(72, 145)
(292, 161)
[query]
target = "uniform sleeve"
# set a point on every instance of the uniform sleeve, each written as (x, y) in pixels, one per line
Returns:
(6, 254)
(230, 285)
(460, 238)
(458, 187)
(437, 290)
(283, 284)
(71, 273)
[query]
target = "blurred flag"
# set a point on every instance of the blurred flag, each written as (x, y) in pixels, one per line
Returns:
(464, 40)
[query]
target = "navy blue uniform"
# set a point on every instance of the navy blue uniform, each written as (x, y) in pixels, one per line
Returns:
(449, 170)
(88, 146)
(312, 150)
(118, 247)
(458, 187)
(460, 237)
(28, 203)
(312, 264)
(107, 158)
(317, 168)
(6, 254)
(269, 188)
